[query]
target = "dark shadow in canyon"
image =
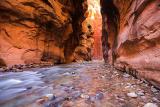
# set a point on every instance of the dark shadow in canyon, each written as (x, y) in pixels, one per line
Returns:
(111, 17)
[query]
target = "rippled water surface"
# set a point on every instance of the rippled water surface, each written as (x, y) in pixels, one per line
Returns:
(78, 84)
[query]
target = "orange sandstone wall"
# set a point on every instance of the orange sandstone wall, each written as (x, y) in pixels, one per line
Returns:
(131, 37)
(41, 30)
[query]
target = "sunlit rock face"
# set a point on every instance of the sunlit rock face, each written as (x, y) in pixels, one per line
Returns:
(40, 30)
(95, 19)
(131, 37)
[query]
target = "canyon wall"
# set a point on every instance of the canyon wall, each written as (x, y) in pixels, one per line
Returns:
(131, 37)
(95, 19)
(33, 31)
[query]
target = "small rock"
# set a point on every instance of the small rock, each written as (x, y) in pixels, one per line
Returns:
(24, 67)
(143, 97)
(154, 90)
(126, 75)
(102, 76)
(73, 73)
(37, 65)
(28, 88)
(27, 65)
(14, 69)
(134, 86)
(1, 69)
(132, 94)
(68, 98)
(19, 66)
(139, 82)
(49, 97)
(99, 96)
(84, 96)
(92, 98)
(154, 99)
(129, 84)
(121, 99)
(18, 70)
(10, 67)
(5, 69)
(150, 105)
(41, 101)
(140, 93)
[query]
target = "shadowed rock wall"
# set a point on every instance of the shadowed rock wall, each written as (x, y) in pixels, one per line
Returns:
(131, 37)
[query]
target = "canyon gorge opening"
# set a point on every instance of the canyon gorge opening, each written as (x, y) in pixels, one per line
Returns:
(125, 34)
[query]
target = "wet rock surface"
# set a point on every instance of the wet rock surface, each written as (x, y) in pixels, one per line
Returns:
(84, 84)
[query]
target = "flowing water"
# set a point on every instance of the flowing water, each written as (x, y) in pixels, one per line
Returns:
(89, 84)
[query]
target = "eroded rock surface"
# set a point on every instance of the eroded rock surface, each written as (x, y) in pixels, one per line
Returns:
(131, 37)
(40, 30)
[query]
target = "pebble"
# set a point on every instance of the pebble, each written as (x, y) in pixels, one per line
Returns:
(84, 96)
(1, 69)
(129, 84)
(36, 65)
(140, 82)
(73, 73)
(140, 93)
(150, 105)
(91, 99)
(126, 75)
(154, 90)
(118, 98)
(121, 99)
(49, 96)
(154, 99)
(28, 88)
(14, 69)
(19, 66)
(68, 98)
(99, 96)
(143, 97)
(41, 101)
(103, 76)
(10, 67)
(18, 70)
(132, 94)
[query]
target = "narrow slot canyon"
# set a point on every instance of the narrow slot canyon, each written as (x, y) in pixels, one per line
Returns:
(79, 53)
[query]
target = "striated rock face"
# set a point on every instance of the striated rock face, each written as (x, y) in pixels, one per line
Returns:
(131, 37)
(40, 30)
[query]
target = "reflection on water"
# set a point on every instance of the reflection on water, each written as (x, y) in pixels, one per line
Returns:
(89, 84)
(22, 88)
